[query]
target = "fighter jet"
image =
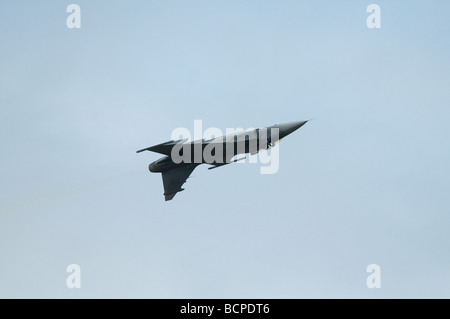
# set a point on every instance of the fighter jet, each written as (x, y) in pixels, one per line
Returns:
(182, 157)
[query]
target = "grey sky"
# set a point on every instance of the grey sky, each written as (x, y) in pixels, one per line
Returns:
(365, 182)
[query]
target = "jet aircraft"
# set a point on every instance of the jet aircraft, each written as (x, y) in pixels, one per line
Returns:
(181, 157)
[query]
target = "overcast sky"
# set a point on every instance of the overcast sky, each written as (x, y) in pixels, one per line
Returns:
(365, 182)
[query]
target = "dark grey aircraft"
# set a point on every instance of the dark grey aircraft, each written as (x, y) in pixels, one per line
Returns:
(182, 158)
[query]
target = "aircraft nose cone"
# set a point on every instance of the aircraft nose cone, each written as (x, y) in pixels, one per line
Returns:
(288, 128)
